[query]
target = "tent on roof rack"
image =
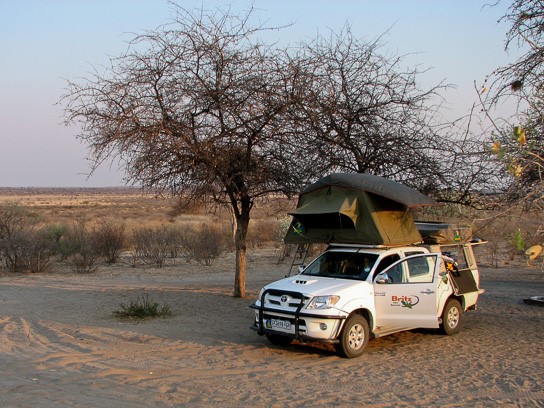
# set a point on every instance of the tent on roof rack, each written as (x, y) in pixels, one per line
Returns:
(356, 208)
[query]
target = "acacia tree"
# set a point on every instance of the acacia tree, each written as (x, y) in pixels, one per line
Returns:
(365, 112)
(196, 107)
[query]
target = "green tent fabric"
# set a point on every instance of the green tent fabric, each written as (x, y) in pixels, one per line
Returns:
(376, 185)
(356, 208)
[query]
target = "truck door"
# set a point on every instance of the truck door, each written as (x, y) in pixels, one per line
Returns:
(405, 293)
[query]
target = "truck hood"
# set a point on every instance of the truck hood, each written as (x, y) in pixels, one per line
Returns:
(314, 285)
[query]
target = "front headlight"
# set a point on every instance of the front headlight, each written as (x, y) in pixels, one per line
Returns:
(258, 301)
(323, 302)
(260, 294)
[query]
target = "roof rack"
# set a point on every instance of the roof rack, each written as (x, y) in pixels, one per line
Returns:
(371, 246)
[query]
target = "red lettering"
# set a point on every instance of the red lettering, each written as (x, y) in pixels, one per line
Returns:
(402, 298)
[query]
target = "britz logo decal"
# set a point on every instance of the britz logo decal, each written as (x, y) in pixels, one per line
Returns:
(404, 301)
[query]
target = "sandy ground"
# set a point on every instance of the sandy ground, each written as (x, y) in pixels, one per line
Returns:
(61, 347)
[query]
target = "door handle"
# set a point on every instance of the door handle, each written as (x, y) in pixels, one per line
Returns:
(428, 292)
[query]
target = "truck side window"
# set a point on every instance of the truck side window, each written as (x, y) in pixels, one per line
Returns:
(421, 269)
(396, 274)
(385, 263)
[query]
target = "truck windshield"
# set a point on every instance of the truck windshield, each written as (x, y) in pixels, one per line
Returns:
(346, 265)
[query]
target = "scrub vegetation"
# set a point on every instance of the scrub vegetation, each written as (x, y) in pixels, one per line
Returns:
(79, 230)
(83, 231)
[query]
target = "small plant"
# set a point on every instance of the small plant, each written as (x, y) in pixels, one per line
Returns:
(83, 262)
(519, 241)
(143, 308)
(517, 244)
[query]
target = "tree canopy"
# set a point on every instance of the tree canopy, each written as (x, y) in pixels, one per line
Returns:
(366, 111)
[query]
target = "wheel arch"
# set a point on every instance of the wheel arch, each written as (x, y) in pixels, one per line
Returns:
(367, 314)
(459, 298)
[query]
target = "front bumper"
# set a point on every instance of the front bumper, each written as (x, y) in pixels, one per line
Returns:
(294, 323)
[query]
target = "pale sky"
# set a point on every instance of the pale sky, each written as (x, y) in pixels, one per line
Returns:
(45, 42)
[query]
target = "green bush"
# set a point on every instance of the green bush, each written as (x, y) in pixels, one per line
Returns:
(518, 240)
(142, 308)
(55, 232)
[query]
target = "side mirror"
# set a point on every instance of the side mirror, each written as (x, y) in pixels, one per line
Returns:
(383, 278)
(301, 268)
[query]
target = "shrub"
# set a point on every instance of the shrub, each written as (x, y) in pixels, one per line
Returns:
(55, 233)
(16, 226)
(12, 251)
(517, 243)
(142, 308)
(39, 250)
(203, 243)
(78, 244)
(174, 241)
(109, 240)
(83, 262)
(154, 244)
(264, 232)
(71, 240)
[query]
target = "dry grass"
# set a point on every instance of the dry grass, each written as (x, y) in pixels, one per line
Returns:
(92, 205)
(136, 208)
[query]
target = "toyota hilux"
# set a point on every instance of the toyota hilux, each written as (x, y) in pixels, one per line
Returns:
(351, 293)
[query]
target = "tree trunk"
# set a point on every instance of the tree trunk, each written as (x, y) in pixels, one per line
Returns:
(242, 224)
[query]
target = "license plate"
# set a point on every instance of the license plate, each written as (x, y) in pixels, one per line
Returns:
(278, 324)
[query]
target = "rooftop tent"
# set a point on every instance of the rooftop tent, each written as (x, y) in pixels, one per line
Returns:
(356, 208)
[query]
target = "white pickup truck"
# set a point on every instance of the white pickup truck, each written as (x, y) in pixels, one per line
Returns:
(352, 293)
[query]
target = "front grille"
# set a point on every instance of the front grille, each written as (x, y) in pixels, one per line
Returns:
(275, 297)
(278, 303)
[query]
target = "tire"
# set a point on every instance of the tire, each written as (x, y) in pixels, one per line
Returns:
(452, 317)
(279, 340)
(354, 337)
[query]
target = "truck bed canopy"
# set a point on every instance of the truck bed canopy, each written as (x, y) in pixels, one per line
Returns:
(356, 208)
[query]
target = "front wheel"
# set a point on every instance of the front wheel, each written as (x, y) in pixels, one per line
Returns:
(354, 337)
(451, 317)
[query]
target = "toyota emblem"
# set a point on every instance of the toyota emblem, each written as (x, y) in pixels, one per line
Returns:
(283, 298)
